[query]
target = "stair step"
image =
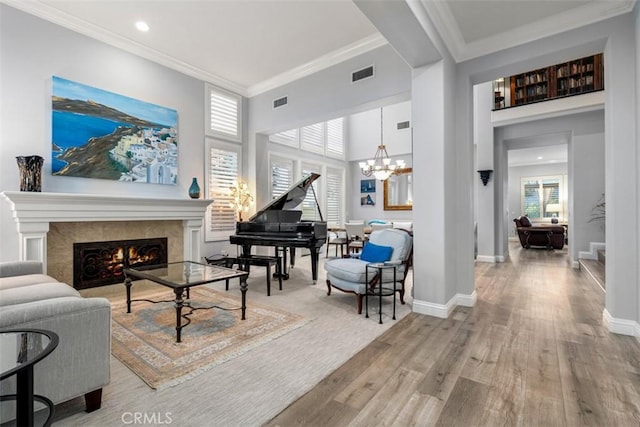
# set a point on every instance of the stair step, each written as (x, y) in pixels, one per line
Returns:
(601, 256)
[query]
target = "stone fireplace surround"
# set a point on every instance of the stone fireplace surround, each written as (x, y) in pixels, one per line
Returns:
(35, 213)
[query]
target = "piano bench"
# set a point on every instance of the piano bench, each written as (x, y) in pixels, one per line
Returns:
(245, 262)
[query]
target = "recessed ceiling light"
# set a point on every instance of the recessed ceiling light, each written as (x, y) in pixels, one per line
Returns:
(142, 26)
(539, 157)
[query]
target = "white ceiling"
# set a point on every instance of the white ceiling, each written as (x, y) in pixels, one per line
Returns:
(251, 46)
(538, 155)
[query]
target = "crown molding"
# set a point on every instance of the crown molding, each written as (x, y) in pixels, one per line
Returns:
(337, 56)
(565, 21)
(56, 16)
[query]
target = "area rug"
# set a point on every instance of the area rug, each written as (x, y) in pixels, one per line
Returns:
(145, 339)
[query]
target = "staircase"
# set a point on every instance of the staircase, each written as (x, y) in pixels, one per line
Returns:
(595, 267)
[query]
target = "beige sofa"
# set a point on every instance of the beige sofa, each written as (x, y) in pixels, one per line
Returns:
(79, 366)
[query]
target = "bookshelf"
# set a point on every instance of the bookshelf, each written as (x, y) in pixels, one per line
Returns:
(568, 78)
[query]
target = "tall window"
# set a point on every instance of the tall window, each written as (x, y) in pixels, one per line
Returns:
(281, 175)
(309, 206)
(542, 197)
(224, 170)
(224, 112)
(326, 138)
(335, 197)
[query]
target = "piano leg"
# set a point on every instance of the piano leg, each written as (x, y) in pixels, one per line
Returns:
(283, 267)
(293, 256)
(315, 254)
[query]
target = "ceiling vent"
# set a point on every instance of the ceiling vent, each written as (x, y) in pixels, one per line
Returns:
(403, 125)
(280, 102)
(365, 73)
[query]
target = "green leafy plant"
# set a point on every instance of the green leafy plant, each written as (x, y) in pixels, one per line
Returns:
(599, 211)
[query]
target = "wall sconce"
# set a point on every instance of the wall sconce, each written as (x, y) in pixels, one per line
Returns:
(485, 175)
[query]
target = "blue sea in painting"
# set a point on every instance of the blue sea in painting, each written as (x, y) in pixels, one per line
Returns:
(75, 130)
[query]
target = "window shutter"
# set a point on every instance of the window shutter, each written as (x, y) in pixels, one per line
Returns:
(288, 137)
(281, 176)
(309, 207)
(312, 138)
(335, 138)
(224, 114)
(335, 197)
(223, 172)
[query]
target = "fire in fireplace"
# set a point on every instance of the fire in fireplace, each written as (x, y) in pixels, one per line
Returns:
(101, 263)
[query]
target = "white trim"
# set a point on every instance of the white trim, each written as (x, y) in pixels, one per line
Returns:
(486, 258)
(575, 265)
(620, 326)
(500, 258)
(73, 23)
(447, 26)
(592, 253)
(443, 311)
(352, 50)
(33, 211)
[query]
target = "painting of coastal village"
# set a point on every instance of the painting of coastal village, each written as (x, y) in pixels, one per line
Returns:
(103, 135)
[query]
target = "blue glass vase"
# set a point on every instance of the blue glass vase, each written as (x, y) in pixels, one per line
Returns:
(194, 190)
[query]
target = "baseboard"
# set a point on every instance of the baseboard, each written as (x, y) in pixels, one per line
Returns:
(620, 326)
(486, 258)
(575, 265)
(592, 253)
(444, 310)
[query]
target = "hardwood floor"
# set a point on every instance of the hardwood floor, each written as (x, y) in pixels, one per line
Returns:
(532, 352)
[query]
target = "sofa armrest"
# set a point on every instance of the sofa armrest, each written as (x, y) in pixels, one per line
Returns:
(20, 268)
(80, 363)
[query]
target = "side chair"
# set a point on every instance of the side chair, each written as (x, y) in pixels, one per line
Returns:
(348, 274)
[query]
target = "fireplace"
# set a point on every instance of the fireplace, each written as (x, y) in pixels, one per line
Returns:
(102, 263)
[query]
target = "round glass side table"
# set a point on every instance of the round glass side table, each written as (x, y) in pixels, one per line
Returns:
(21, 350)
(380, 290)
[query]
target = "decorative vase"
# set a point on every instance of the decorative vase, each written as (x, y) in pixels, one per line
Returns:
(194, 190)
(30, 168)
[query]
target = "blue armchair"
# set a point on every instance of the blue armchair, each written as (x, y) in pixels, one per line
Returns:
(349, 274)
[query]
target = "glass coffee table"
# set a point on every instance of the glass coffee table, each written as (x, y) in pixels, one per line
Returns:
(181, 276)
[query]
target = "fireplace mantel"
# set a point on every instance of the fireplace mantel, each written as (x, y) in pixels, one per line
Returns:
(33, 211)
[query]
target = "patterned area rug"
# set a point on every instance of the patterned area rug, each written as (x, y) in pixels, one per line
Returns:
(145, 340)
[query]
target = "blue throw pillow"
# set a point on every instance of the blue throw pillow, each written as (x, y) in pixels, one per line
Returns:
(376, 253)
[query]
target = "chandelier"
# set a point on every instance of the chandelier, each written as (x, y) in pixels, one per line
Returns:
(380, 166)
(241, 199)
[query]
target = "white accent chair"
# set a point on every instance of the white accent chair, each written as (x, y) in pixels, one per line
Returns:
(349, 274)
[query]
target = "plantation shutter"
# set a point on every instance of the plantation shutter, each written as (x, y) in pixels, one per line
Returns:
(335, 138)
(224, 114)
(312, 138)
(531, 199)
(223, 173)
(335, 197)
(309, 207)
(288, 137)
(281, 176)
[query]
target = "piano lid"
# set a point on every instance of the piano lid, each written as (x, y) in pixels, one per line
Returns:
(290, 198)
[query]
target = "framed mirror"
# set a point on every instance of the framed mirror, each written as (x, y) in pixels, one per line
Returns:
(398, 191)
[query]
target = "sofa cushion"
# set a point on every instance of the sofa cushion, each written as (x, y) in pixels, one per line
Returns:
(26, 280)
(37, 292)
(376, 253)
(524, 221)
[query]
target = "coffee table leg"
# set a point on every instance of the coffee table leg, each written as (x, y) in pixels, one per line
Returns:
(127, 284)
(179, 303)
(243, 289)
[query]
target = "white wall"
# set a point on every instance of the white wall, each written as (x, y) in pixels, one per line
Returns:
(34, 50)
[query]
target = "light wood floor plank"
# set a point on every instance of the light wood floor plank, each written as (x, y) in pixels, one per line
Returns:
(533, 351)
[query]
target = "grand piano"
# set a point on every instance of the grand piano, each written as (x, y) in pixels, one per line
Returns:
(279, 226)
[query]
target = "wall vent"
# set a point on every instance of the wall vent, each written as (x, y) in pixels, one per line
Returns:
(280, 102)
(364, 73)
(403, 125)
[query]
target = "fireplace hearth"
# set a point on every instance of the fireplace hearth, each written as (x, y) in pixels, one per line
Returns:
(102, 263)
